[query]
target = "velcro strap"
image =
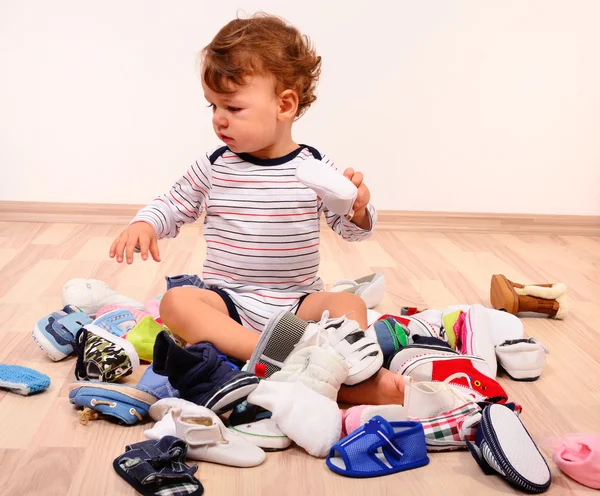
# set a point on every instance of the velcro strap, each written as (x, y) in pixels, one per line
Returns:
(74, 321)
(197, 435)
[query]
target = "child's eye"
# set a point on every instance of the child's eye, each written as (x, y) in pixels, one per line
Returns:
(234, 109)
(212, 106)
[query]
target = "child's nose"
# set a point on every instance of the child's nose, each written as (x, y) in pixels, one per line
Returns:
(219, 120)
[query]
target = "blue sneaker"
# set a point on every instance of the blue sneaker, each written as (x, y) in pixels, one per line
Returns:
(156, 385)
(200, 375)
(55, 333)
(118, 322)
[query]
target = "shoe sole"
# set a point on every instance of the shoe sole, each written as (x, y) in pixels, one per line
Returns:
(263, 441)
(503, 296)
(232, 393)
(272, 350)
(122, 342)
(130, 391)
(516, 451)
(479, 336)
(46, 346)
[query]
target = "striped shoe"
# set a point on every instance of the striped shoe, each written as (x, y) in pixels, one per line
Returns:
(503, 446)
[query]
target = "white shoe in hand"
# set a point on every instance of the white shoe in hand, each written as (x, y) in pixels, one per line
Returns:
(336, 191)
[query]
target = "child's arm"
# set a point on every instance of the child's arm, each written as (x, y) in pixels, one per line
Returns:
(183, 204)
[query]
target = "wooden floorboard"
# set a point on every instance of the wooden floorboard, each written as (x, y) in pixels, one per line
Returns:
(45, 451)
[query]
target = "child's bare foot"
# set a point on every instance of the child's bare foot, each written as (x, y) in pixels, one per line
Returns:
(384, 388)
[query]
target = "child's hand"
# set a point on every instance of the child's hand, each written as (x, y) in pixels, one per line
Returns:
(139, 233)
(364, 195)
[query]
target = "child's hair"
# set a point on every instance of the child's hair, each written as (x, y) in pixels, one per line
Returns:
(263, 44)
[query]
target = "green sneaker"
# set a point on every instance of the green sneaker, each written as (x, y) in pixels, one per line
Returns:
(102, 356)
(143, 336)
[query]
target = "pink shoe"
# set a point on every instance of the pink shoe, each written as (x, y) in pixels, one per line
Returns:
(578, 456)
(153, 307)
(138, 313)
(360, 415)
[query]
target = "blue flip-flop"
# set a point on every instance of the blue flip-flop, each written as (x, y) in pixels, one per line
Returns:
(379, 448)
(22, 380)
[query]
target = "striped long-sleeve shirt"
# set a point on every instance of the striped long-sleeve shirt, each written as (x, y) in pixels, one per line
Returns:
(261, 225)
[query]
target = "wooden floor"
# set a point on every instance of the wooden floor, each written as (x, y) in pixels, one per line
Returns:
(44, 451)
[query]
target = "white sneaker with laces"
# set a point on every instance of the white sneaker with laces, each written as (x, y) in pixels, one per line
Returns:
(361, 353)
(429, 399)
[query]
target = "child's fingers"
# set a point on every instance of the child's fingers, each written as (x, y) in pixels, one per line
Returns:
(154, 249)
(143, 244)
(113, 248)
(131, 242)
(357, 179)
(349, 172)
(120, 246)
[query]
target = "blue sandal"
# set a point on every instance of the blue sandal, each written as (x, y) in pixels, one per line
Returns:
(379, 448)
(158, 468)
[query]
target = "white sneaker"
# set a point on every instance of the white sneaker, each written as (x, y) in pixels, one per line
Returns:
(429, 399)
(361, 353)
(208, 438)
(336, 191)
(91, 295)
(322, 370)
(475, 337)
(522, 359)
(370, 288)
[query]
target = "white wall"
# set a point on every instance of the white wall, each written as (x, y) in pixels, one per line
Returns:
(448, 105)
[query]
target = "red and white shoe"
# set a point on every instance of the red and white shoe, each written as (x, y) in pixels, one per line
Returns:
(471, 373)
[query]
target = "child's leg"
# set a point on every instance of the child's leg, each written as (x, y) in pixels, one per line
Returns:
(201, 315)
(383, 388)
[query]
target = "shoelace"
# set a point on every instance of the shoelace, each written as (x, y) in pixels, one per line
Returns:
(79, 347)
(464, 397)
(322, 327)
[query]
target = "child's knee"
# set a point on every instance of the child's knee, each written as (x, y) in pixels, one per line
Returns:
(171, 301)
(351, 301)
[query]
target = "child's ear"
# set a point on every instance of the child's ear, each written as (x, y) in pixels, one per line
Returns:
(288, 104)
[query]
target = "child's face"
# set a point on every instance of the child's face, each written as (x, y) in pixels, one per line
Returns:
(246, 120)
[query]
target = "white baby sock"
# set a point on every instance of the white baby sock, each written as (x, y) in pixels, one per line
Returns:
(311, 420)
(322, 370)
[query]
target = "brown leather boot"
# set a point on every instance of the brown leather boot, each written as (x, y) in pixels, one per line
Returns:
(512, 297)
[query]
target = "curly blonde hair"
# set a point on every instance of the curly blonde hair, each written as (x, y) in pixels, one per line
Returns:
(262, 44)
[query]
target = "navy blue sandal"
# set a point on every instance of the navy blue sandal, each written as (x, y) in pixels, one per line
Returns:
(379, 448)
(158, 468)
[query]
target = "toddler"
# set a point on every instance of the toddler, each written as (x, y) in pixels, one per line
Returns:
(261, 225)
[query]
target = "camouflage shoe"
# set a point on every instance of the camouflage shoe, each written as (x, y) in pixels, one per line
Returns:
(102, 356)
